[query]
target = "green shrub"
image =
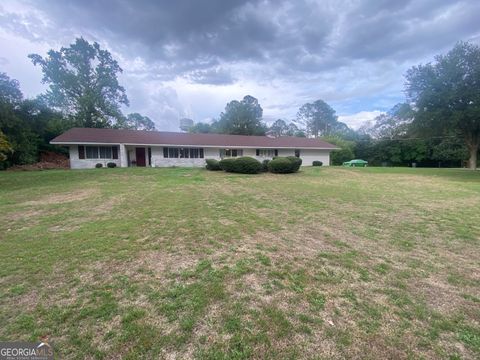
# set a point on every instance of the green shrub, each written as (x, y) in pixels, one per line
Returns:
(242, 165)
(265, 165)
(111, 165)
(317, 163)
(347, 149)
(98, 165)
(284, 165)
(281, 165)
(227, 164)
(247, 165)
(212, 165)
(296, 161)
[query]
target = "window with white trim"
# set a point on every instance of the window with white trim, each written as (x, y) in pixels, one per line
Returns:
(231, 152)
(98, 152)
(267, 153)
(183, 153)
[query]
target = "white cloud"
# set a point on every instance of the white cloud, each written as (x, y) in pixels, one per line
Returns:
(190, 61)
(17, 65)
(357, 120)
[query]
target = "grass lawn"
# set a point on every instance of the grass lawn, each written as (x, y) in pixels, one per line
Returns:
(185, 263)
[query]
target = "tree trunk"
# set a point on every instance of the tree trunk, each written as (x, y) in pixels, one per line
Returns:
(473, 150)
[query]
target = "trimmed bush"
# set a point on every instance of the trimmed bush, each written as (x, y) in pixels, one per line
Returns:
(98, 165)
(265, 165)
(227, 164)
(111, 165)
(247, 165)
(212, 165)
(285, 165)
(297, 162)
(281, 165)
(317, 163)
(242, 165)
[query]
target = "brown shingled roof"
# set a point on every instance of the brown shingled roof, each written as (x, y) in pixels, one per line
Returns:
(136, 137)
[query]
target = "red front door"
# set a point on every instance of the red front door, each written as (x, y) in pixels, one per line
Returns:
(140, 155)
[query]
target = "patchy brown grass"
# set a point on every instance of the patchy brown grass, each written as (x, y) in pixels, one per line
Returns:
(184, 263)
(62, 198)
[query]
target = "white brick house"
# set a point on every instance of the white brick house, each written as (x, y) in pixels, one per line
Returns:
(89, 146)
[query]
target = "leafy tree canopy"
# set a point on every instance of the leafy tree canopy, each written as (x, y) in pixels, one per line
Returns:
(5, 147)
(27, 125)
(346, 152)
(83, 83)
(242, 118)
(136, 121)
(294, 130)
(278, 128)
(9, 90)
(446, 95)
(318, 118)
(281, 128)
(201, 128)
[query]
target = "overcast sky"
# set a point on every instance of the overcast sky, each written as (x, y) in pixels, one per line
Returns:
(188, 58)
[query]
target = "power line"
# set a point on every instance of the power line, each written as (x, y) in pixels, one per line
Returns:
(407, 139)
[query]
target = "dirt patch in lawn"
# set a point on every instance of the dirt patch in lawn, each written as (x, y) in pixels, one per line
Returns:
(26, 214)
(162, 262)
(62, 198)
(439, 295)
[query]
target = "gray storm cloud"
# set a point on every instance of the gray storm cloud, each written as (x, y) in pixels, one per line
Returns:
(347, 52)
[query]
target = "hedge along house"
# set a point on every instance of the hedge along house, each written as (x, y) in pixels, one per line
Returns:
(90, 146)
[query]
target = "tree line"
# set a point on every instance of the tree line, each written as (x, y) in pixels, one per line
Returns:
(83, 91)
(438, 124)
(245, 117)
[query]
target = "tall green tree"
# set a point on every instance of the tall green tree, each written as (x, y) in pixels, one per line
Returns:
(281, 128)
(43, 121)
(201, 128)
(318, 118)
(27, 124)
(446, 95)
(242, 118)
(83, 83)
(136, 121)
(5, 147)
(21, 140)
(346, 151)
(449, 150)
(294, 130)
(10, 93)
(278, 128)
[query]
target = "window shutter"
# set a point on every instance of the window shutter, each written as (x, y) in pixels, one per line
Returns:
(81, 152)
(114, 152)
(257, 152)
(165, 152)
(276, 152)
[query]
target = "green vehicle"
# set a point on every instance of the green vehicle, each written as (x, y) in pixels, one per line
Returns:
(356, 163)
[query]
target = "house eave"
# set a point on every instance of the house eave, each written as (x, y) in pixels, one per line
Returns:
(192, 145)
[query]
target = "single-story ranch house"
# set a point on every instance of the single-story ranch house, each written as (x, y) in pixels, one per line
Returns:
(89, 146)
